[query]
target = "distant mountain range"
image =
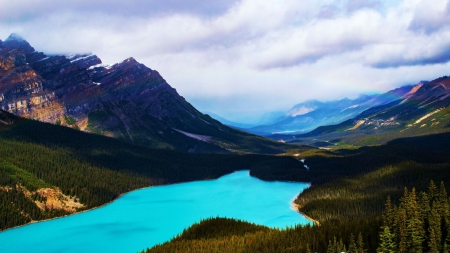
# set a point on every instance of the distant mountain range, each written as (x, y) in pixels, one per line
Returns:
(311, 114)
(229, 122)
(422, 110)
(126, 100)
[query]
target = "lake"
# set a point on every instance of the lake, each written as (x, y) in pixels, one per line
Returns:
(143, 218)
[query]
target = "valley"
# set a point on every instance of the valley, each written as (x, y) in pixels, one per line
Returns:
(423, 110)
(75, 134)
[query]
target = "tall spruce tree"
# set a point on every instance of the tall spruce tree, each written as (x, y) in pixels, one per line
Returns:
(352, 248)
(387, 243)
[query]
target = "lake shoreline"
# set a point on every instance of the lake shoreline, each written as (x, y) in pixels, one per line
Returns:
(294, 207)
(84, 211)
(297, 207)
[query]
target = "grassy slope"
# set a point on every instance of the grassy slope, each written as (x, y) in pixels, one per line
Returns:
(366, 135)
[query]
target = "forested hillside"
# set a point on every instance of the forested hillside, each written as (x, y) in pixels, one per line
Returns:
(348, 195)
(420, 223)
(221, 235)
(368, 175)
(41, 163)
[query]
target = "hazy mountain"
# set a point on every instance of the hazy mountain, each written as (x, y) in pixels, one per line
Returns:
(423, 110)
(126, 100)
(228, 122)
(270, 118)
(311, 114)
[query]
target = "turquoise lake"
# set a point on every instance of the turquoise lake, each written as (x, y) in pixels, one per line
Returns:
(143, 218)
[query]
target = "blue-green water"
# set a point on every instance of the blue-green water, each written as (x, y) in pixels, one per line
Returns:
(146, 217)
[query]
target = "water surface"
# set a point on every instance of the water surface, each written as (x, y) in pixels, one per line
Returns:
(146, 217)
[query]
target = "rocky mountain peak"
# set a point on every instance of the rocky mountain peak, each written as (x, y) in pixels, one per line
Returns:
(17, 42)
(126, 100)
(14, 37)
(130, 60)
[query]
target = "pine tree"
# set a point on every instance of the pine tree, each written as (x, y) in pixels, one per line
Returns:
(352, 248)
(331, 248)
(434, 241)
(425, 212)
(401, 231)
(308, 249)
(387, 244)
(360, 243)
(341, 246)
(432, 191)
(388, 215)
(414, 224)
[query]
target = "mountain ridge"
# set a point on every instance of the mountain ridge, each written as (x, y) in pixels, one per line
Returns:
(126, 100)
(423, 110)
(308, 115)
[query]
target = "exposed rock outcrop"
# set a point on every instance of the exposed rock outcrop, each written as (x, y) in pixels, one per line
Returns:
(126, 100)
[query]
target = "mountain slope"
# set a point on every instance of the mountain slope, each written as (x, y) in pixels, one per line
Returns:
(421, 111)
(126, 100)
(311, 114)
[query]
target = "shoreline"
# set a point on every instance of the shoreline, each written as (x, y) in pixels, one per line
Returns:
(105, 204)
(84, 211)
(297, 207)
(294, 206)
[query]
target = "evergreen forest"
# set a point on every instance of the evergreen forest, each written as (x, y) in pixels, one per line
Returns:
(347, 197)
(95, 169)
(348, 200)
(420, 223)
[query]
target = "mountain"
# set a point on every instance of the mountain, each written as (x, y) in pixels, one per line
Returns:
(229, 122)
(311, 114)
(269, 118)
(126, 100)
(423, 110)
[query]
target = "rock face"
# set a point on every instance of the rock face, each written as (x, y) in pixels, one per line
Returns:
(126, 100)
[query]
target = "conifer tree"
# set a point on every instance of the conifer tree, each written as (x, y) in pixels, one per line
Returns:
(432, 191)
(352, 246)
(308, 249)
(401, 231)
(414, 224)
(331, 248)
(360, 243)
(387, 244)
(341, 246)
(388, 214)
(434, 229)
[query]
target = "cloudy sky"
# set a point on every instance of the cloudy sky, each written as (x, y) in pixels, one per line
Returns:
(242, 58)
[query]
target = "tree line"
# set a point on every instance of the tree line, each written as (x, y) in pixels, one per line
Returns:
(96, 169)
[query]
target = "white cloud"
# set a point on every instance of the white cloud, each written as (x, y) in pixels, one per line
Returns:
(248, 57)
(430, 18)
